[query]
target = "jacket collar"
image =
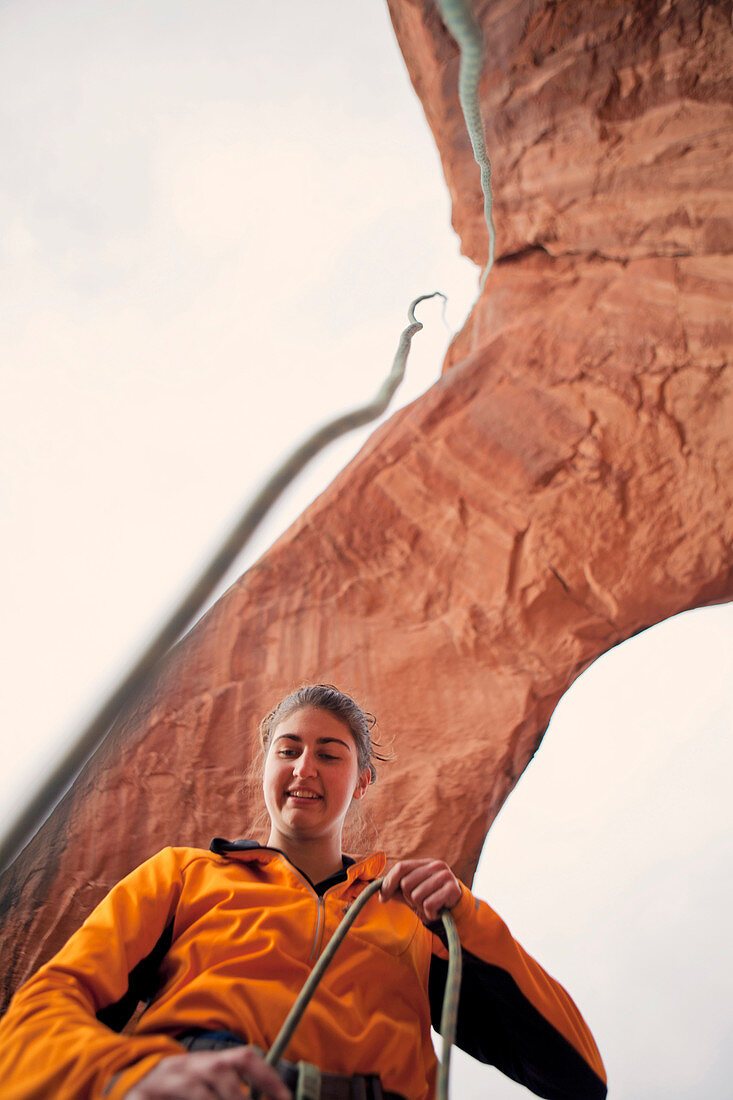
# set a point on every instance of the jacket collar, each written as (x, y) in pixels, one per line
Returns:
(365, 869)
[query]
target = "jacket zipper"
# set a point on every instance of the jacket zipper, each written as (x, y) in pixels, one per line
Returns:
(321, 907)
(315, 950)
(320, 928)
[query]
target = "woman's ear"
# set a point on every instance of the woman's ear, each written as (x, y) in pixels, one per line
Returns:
(361, 787)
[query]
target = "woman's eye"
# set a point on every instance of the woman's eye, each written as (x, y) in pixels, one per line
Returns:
(287, 752)
(328, 756)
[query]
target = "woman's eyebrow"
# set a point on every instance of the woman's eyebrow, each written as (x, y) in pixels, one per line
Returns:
(319, 740)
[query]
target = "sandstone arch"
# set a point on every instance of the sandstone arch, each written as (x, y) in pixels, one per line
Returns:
(566, 483)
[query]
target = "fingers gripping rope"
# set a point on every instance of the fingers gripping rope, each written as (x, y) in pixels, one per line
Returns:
(460, 21)
(449, 1015)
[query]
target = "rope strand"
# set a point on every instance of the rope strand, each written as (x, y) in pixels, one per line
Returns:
(449, 1015)
(462, 24)
(142, 671)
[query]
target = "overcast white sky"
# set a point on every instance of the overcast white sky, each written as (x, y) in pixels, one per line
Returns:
(212, 219)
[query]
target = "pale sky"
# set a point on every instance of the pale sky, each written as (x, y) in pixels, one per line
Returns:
(213, 216)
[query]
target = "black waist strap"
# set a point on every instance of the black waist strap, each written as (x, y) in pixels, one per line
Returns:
(333, 1086)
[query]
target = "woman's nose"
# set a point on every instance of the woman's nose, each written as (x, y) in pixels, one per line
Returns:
(305, 765)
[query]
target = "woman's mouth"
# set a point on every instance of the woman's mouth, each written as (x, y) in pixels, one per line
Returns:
(299, 795)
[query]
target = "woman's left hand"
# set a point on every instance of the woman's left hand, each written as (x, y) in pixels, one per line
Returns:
(427, 885)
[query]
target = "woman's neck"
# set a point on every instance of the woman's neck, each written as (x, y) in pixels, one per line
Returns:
(318, 859)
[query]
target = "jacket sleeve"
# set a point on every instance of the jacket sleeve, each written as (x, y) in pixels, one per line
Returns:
(57, 1037)
(512, 1014)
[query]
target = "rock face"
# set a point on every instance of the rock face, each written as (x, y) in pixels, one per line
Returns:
(566, 483)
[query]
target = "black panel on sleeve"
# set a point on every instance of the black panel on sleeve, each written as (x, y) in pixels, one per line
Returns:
(499, 1026)
(142, 984)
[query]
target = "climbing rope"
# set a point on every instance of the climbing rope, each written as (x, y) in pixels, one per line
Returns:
(295, 1015)
(449, 1015)
(460, 21)
(132, 683)
(451, 996)
(462, 25)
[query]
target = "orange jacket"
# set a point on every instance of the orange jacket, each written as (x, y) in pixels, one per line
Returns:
(224, 940)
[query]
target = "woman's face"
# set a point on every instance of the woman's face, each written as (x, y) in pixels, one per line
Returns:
(311, 776)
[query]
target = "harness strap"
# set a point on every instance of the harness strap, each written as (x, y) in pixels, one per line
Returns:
(305, 1081)
(309, 1082)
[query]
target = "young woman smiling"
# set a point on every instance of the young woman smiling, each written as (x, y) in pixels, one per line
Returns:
(220, 942)
(311, 778)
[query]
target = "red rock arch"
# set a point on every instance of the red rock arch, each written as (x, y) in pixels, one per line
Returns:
(566, 483)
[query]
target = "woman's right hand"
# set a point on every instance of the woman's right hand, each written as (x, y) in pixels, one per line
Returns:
(205, 1074)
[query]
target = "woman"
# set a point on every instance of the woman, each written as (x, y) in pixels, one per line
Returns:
(220, 943)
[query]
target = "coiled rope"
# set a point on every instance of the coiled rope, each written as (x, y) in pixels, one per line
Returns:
(449, 1014)
(460, 21)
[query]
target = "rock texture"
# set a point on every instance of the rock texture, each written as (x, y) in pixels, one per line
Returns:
(608, 124)
(565, 484)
